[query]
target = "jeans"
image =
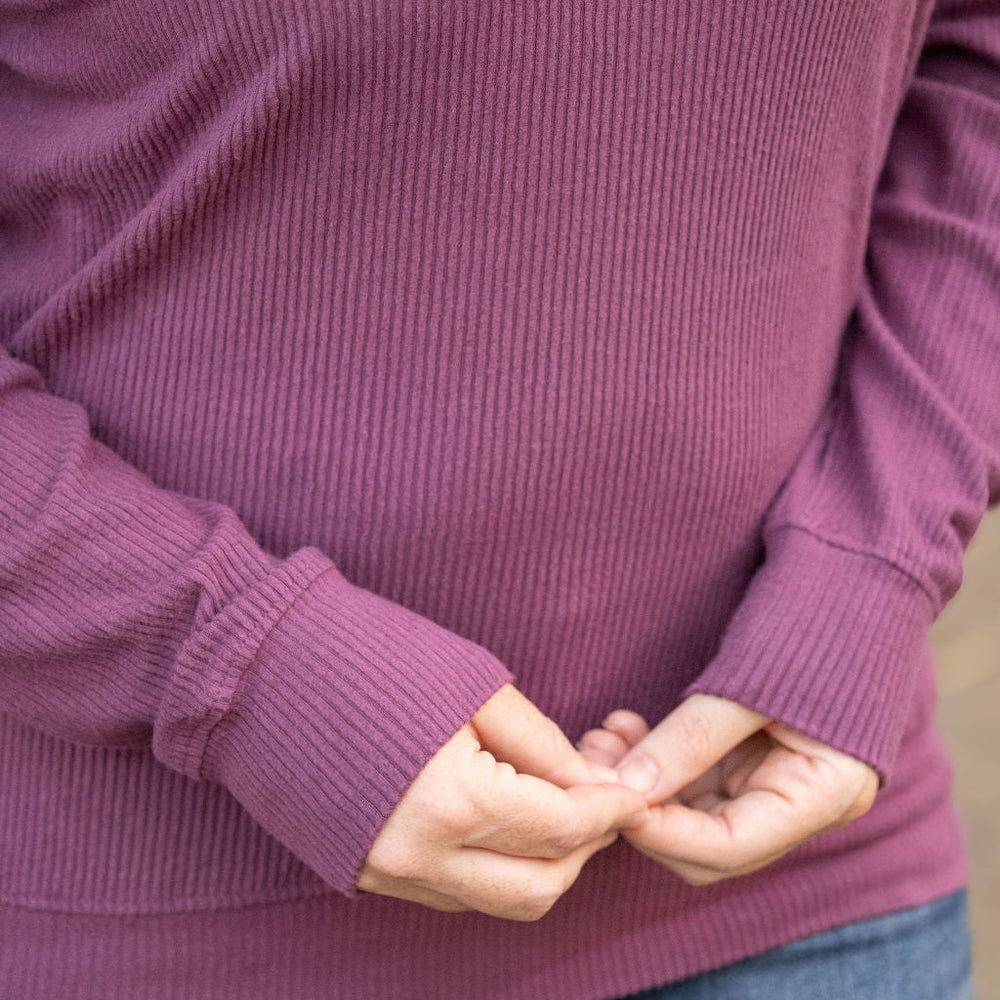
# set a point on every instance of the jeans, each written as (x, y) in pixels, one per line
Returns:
(917, 954)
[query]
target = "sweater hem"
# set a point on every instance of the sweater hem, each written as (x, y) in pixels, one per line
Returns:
(186, 906)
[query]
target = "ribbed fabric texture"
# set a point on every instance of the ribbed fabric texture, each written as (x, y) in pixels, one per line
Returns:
(361, 357)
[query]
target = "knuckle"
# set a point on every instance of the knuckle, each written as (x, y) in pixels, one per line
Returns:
(558, 845)
(539, 902)
(554, 740)
(542, 893)
(531, 910)
(605, 840)
(567, 838)
(695, 734)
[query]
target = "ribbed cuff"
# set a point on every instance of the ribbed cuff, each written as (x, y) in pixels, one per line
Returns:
(347, 698)
(827, 641)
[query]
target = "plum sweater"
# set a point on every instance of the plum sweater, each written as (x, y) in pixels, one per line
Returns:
(362, 355)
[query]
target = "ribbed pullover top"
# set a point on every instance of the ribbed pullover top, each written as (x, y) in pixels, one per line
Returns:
(360, 356)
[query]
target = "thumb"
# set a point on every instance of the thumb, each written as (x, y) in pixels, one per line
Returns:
(693, 737)
(516, 732)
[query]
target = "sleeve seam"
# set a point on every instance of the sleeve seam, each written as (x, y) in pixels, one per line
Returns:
(842, 546)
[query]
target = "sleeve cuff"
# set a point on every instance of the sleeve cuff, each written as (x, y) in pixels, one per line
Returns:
(827, 640)
(346, 699)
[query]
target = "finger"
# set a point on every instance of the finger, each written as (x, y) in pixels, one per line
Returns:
(376, 883)
(743, 832)
(731, 775)
(629, 726)
(706, 785)
(795, 798)
(737, 768)
(599, 746)
(859, 781)
(777, 790)
(516, 732)
(687, 743)
(529, 817)
(700, 875)
(516, 888)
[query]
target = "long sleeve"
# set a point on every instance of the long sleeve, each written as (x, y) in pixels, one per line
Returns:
(134, 616)
(420, 342)
(864, 542)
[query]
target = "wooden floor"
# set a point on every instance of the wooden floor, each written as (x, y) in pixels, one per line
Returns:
(967, 645)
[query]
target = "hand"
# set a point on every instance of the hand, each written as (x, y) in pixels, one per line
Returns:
(501, 819)
(732, 790)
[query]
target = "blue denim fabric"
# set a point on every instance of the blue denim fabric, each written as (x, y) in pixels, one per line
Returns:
(918, 954)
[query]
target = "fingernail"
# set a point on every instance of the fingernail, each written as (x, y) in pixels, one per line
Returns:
(639, 773)
(605, 775)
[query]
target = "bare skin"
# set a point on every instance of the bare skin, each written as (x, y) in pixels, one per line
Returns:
(507, 812)
(730, 790)
(501, 819)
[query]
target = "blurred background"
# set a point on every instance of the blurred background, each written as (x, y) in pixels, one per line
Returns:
(967, 645)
